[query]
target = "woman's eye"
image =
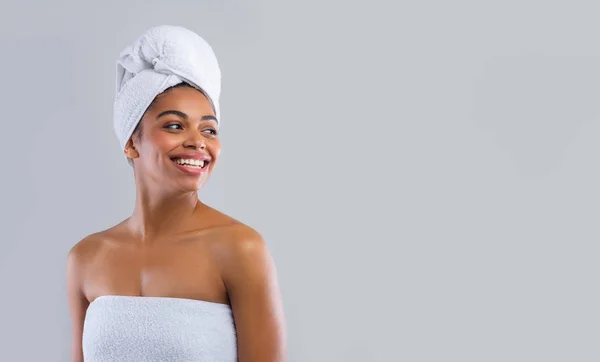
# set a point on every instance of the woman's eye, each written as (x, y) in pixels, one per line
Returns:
(212, 131)
(172, 126)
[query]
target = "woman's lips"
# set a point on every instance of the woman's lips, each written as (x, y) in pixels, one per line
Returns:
(192, 170)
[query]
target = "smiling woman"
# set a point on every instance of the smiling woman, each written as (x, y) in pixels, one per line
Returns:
(177, 280)
(181, 127)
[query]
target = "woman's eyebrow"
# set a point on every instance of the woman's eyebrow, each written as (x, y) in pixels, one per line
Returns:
(185, 116)
(172, 111)
(209, 117)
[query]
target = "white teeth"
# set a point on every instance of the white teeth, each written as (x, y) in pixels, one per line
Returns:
(190, 162)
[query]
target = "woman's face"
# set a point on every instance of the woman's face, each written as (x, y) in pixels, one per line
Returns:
(179, 145)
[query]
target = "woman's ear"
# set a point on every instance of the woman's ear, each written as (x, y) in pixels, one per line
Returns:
(130, 150)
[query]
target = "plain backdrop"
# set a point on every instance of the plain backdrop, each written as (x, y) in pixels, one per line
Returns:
(425, 173)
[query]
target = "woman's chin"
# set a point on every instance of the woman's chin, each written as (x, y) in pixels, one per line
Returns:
(193, 186)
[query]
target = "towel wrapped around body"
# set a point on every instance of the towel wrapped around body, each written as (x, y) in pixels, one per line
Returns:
(153, 329)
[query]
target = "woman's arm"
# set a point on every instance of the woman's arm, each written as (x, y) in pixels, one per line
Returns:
(251, 280)
(77, 301)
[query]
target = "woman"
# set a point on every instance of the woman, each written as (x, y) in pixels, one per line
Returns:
(178, 280)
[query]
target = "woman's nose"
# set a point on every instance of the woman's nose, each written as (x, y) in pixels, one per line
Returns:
(195, 140)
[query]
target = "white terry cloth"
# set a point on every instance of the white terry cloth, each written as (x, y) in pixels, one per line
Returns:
(153, 329)
(161, 57)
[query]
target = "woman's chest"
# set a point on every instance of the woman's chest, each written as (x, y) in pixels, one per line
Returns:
(178, 269)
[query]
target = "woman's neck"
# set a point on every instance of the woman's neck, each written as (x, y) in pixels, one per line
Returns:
(156, 214)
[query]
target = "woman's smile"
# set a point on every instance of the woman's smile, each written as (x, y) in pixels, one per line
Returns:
(190, 166)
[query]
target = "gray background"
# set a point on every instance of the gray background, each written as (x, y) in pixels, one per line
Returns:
(425, 173)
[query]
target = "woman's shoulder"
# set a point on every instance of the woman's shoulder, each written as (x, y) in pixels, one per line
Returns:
(245, 263)
(234, 236)
(226, 223)
(89, 245)
(83, 252)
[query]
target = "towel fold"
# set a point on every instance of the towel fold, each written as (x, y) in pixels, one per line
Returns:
(162, 57)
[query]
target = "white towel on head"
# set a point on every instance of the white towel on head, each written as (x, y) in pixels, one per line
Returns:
(162, 57)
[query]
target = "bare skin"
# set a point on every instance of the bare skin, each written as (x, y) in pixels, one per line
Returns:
(173, 245)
